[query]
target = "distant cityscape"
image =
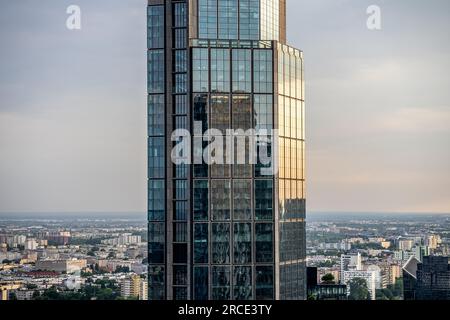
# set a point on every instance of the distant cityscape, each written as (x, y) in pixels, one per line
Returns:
(384, 257)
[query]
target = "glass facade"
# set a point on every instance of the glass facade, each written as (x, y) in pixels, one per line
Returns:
(224, 231)
(239, 19)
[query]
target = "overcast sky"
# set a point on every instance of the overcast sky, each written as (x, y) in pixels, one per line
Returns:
(73, 105)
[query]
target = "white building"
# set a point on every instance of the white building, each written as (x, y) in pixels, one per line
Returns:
(377, 271)
(31, 244)
(369, 276)
(351, 262)
(405, 244)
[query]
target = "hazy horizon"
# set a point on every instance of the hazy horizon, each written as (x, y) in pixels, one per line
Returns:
(73, 106)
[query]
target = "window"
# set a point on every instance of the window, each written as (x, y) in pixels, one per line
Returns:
(264, 283)
(220, 243)
(156, 75)
(201, 283)
(263, 111)
(181, 190)
(156, 242)
(180, 39)
(228, 19)
(181, 211)
(262, 71)
(179, 253)
(249, 19)
(220, 200)
(242, 283)
(156, 115)
(220, 70)
(180, 14)
(221, 283)
(155, 24)
(242, 78)
(242, 243)
(180, 61)
(201, 200)
(242, 112)
(180, 83)
(201, 243)
(263, 199)
(156, 282)
(181, 104)
(207, 19)
(156, 200)
(179, 232)
(180, 275)
(156, 161)
(242, 199)
(264, 242)
(200, 70)
(220, 112)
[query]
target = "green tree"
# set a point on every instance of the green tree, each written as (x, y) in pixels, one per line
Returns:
(328, 278)
(358, 289)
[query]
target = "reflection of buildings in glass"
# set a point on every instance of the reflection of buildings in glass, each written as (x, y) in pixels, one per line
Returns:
(427, 280)
(225, 231)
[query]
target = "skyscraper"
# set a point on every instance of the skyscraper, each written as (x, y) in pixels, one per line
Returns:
(225, 231)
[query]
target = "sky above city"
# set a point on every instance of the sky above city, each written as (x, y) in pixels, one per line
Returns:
(73, 105)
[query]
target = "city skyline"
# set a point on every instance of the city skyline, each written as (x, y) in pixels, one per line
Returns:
(359, 159)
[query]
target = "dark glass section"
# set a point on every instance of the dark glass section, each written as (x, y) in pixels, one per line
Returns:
(180, 14)
(180, 253)
(292, 281)
(220, 112)
(156, 116)
(181, 211)
(181, 190)
(180, 293)
(156, 283)
(180, 60)
(156, 163)
(242, 283)
(201, 200)
(201, 283)
(180, 275)
(156, 76)
(220, 243)
(242, 199)
(263, 111)
(264, 242)
(156, 200)
(180, 38)
(180, 83)
(201, 243)
(220, 200)
(264, 283)
(201, 110)
(221, 283)
(180, 232)
(156, 232)
(242, 112)
(155, 23)
(263, 199)
(181, 104)
(291, 236)
(242, 243)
